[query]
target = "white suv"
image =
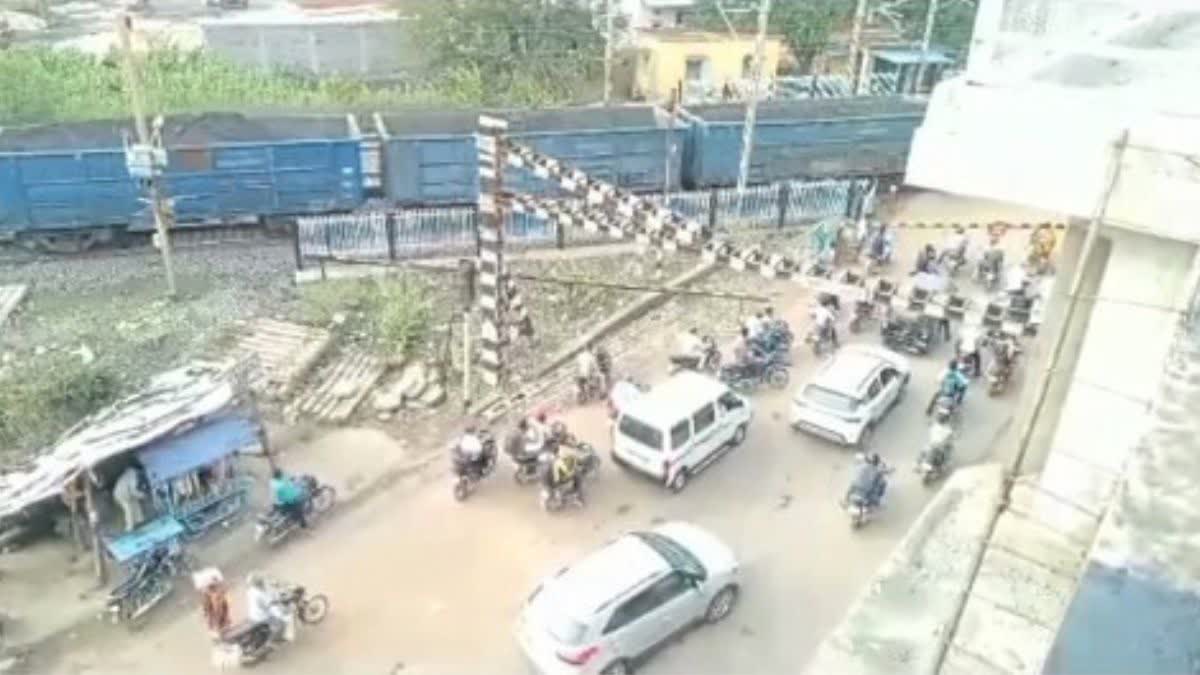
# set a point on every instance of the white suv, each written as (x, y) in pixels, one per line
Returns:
(850, 394)
(607, 612)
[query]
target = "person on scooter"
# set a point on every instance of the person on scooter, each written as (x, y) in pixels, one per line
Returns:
(288, 497)
(261, 606)
(952, 383)
(824, 324)
(469, 449)
(955, 252)
(881, 245)
(1005, 349)
(745, 354)
(536, 434)
(514, 442)
(587, 369)
(926, 261)
(968, 351)
(564, 472)
(869, 480)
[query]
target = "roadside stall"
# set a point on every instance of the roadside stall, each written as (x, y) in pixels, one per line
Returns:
(196, 476)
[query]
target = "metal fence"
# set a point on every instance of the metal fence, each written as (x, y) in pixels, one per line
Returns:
(406, 234)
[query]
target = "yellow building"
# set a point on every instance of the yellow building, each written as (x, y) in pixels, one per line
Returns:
(704, 64)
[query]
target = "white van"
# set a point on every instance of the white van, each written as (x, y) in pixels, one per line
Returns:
(679, 427)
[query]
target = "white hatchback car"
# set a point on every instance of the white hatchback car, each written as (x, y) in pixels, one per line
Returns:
(850, 394)
(607, 612)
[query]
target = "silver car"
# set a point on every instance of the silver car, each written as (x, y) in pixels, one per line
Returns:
(607, 612)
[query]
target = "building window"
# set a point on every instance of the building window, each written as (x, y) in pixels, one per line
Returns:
(696, 69)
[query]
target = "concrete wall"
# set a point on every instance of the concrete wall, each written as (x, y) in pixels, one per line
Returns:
(361, 48)
(899, 625)
(662, 63)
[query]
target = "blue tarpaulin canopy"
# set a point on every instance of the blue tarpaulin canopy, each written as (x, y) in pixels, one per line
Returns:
(147, 537)
(199, 447)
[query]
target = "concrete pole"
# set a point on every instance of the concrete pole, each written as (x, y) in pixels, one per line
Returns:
(138, 104)
(608, 50)
(1073, 298)
(760, 49)
(930, 20)
(856, 56)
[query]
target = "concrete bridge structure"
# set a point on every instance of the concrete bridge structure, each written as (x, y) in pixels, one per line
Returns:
(1079, 556)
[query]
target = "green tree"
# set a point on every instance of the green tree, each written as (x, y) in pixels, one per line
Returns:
(521, 51)
(805, 25)
(951, 28)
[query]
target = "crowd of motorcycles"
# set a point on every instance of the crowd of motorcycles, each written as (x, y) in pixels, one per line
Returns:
(152, 578)
(537, 448)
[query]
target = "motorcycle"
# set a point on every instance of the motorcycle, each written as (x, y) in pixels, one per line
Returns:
(469, 474)
(859, 507)
(989, 269)
(530, 466)
(275, 525)
(998, 376)
(709, 362)
(251, 642)
(946, 408)
(777, 336)
(821, 341)
(750, 375)
(150, 582)
(864, 311)
(931, 463)
(590, 388)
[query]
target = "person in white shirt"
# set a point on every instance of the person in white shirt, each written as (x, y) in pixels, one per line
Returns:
(754, 325)
(586, 366)
(824, 322)
(261, 606)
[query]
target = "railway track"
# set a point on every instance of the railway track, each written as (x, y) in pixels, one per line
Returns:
(141, 244)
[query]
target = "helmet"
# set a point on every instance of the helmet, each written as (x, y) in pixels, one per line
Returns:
(953, 364)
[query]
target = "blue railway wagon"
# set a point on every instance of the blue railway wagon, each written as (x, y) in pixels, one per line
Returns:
(801, 139)
(222, 168)
(430, 157)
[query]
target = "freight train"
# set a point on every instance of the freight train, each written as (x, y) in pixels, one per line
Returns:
(66, 186)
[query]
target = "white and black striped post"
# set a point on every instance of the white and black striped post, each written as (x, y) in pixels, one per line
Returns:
(490, 143)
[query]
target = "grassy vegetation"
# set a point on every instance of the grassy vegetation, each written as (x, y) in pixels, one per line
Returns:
(392, 315)
(41, 85)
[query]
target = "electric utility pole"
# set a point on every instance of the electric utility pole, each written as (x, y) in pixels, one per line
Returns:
(147, 158)
(608, 49)
(930, 20)
(760, 48)
(857, 57)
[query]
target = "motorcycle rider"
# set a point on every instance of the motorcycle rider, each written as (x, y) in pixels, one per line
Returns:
(587, 367)
(288, 497)
(881, 245)
(514, 442)
(926, 261)
(754, 325)
(469, 449)
(952, 383)
(870, 480)
(824, 324)
(956, 247)
(968, 351)
(564, 472)
(1004, 347)
(690, 347)
(261, 606)
(940, 433)
(1041, 246)
(992, 262)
